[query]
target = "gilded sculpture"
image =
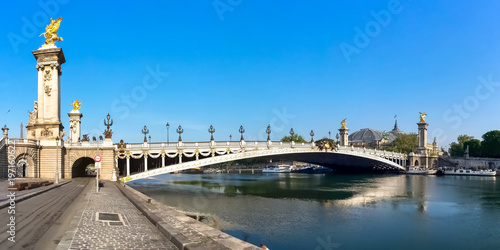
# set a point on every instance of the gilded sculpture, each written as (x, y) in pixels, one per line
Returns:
(343, 123)
(51, 32)
(422, 117)
(76, 105)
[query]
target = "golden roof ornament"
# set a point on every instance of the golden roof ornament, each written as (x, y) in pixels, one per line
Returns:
(422, 117)
(76, 105)
(51, 33)
(343, 123)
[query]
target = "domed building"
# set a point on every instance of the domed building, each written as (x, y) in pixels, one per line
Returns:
(372, 138)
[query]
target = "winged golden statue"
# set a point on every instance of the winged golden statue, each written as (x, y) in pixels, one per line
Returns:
(76, 105)
(343, 123)
(422, 116)
(51, 32)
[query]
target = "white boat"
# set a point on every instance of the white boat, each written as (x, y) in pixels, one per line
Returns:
(283, 168)
(488, 172)
(416, 170)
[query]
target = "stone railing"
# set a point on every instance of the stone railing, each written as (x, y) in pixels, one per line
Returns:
(192, 146)
(2, 142)
(23, 141)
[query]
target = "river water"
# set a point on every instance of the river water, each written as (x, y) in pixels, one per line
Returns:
(301, 211)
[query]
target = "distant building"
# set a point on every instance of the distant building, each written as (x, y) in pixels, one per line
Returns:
(372, 138)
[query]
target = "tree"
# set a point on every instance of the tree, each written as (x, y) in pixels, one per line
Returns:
(490, 146)
(295, 138)
(457, 148)
(406, 143)
(474, 147)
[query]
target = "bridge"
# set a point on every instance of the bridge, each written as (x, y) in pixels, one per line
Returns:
(201, 154)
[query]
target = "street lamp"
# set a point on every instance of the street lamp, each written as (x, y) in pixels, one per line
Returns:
(291, 134)
(211, 130)
(230, 137)
(337, 136)
(168, 126)
(180, 131)
(312, 136)
(145, 131)
(150, 139)
(242, 130)
(57, 160)
(329, 135)
(268, 131)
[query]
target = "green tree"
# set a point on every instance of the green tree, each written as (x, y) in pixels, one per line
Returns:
(457, 148)
(474, 147)
(490, 146)
(295, 138)
(406, 143)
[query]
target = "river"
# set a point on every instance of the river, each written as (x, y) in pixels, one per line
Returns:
(301, 211)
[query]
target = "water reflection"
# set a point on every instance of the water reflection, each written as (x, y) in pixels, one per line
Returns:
(293, 211)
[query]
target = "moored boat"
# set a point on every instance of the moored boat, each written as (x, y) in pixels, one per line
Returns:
(461, 171)
(282, 168)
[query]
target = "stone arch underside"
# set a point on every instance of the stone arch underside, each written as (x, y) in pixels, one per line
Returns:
(77, 159)
(340, 161)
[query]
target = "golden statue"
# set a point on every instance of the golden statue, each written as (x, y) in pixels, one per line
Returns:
(50, 33)
(422, 117)
(343, 123)
(76, 105)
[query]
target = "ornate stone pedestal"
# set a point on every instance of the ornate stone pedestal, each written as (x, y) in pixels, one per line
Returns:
(75, 121)
(45, 120)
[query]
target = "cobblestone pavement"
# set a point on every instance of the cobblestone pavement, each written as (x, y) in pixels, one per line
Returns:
(129, 229)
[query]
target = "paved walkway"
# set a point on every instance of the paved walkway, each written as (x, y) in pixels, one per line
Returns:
(110, 221)
(25, 194)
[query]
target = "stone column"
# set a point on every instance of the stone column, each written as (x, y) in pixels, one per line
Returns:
(163, 159)
(5, 131)
(344, 136)
(46, 123)
(145, 162)
(75, 121)
(128, 165)
(422, 137)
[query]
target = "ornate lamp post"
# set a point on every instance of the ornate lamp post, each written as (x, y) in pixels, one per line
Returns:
(268, 131)
(180, 131)
(337, 136)
(149, 139)
(242, 130)
(230, 137)
(211, 130)
(57, 160)
(145, 131)
(291, 134)
(312, 136)
(108, 132)
(168, 126)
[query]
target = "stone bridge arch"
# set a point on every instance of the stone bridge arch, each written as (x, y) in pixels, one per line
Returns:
(75, 159)
(26, 162)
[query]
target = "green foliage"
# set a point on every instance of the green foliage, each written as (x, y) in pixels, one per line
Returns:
(295, 138)
(405, 143)
(490, 146)
(457, 148)
(474, 147)
(330, 141)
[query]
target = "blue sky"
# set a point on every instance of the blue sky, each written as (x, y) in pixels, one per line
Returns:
(299, 64)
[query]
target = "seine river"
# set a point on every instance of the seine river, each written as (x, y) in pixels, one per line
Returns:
(301, 211)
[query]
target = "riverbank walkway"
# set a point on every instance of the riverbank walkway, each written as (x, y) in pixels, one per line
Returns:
(116, 217)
